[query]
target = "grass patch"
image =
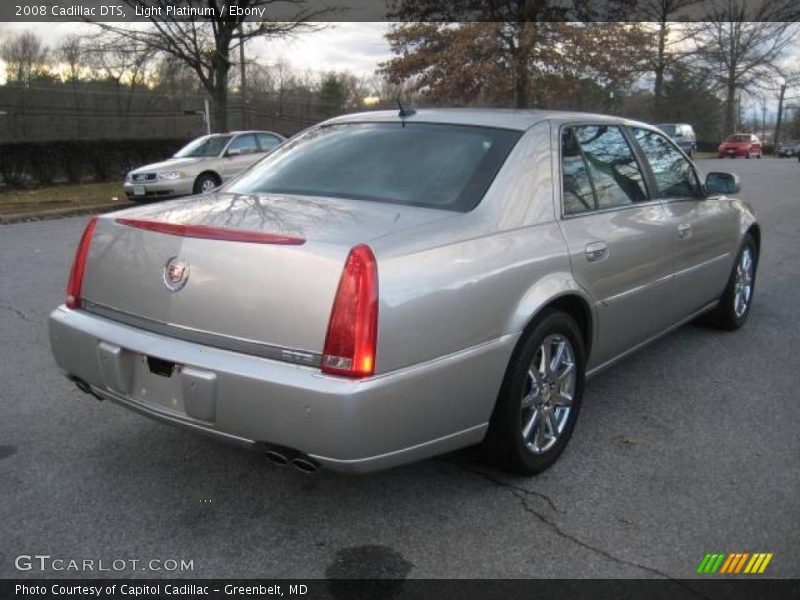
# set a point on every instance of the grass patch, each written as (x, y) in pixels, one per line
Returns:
(84, 195)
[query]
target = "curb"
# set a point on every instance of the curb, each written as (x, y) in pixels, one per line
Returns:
(57, 213)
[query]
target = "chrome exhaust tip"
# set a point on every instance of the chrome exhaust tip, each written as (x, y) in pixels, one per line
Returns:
(305, 464)
(276, 458)
(282, 456)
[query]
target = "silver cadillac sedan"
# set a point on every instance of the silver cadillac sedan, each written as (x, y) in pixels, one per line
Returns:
(201, 166)
(387, 287)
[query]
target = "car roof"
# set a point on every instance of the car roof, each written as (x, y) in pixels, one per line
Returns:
(249, 131)
(505, 118)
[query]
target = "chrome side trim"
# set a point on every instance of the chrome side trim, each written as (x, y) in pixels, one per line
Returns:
(595, 370)
(637, 289)
(665, 279)
(702, 265)
(206, 338)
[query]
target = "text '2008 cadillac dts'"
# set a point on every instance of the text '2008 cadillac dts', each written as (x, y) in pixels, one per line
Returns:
(386, 287)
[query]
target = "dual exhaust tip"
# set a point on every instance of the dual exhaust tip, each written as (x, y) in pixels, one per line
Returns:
(282, 457)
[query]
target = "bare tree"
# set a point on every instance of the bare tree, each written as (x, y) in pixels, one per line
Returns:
(125, 61)
(660, 13)
(738, 45)
(70, 53)
(205, 42)
(25, 56)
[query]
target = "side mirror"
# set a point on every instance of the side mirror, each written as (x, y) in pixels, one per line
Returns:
(233, 152)
(722, 183)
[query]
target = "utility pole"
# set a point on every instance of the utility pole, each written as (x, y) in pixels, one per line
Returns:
(243, 80)
(739, 117)
(779, 120)
(763, 119)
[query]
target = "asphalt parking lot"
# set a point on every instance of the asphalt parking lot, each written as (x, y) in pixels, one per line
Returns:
(689, 447)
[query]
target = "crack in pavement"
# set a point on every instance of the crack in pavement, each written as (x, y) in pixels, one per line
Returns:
(508, 485)
(19, 313)
(522, 494)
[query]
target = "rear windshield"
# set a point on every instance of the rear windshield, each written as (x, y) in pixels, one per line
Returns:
(448, 167)
(668, 129)
(739, 138)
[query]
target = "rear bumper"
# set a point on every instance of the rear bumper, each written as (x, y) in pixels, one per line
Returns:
(345, 425)
(734, 152)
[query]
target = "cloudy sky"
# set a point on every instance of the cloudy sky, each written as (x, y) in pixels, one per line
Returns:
(355, 47)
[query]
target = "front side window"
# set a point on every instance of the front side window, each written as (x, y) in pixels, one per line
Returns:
(206, 146)
(675, 177)
(612, 169)
(448, 167)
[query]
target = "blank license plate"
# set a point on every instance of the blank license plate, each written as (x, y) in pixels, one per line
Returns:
(138, 190)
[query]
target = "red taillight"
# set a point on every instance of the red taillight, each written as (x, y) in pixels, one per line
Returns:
(78, 266)
(353, 329)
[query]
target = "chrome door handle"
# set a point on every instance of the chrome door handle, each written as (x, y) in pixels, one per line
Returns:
(684, 231)
(596, 251)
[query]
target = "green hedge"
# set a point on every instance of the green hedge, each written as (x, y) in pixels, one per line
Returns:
(77, 160)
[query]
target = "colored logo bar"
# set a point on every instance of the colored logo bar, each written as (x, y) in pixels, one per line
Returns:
(734, 563)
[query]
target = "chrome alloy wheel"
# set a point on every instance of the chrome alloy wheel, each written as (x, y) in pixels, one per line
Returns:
(548, 393)
(743, 283)
(208, 185)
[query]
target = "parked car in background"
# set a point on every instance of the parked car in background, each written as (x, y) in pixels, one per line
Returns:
(683, 135)
(740, 144)
(789, 148)
(201, 166)
(390, 286)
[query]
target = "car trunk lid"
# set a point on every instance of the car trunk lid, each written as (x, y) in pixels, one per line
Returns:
(250, 273)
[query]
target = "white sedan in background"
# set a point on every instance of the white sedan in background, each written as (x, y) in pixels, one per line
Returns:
(201, 166)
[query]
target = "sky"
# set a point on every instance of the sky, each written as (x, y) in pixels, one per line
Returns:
(354, 47)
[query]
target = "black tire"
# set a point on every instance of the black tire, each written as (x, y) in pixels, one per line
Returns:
(503, 446)
(724, 315)
(205, 179)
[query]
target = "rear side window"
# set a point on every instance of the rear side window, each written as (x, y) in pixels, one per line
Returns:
(675, 177)
(245, 144)
(577, 186)
(267, 141)
(448, 167)
(609, 168)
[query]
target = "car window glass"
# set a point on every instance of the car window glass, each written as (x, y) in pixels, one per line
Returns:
(577, 187)
(267, 141)
(448, 167)
(612, 166)
(203, 147)
(245, 144)
(675, 177)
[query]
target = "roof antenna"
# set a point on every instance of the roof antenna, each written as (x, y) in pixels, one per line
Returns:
(404, 112)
